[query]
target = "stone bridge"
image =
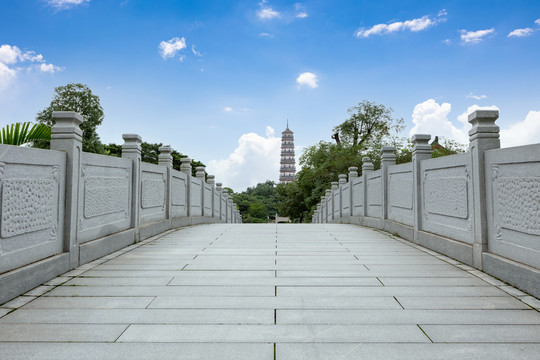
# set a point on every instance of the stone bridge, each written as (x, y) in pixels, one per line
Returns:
(100, 258)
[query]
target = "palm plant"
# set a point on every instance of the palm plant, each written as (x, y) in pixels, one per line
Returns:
(22, 133)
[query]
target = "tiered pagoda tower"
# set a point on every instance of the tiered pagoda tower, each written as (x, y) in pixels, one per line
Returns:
(287, 170)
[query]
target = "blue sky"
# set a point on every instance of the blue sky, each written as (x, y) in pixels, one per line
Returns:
(218, 79)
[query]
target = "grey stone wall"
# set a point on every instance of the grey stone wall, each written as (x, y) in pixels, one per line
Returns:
(62, 208)
(481, 207)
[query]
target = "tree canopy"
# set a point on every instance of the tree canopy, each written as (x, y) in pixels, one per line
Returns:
(258, 204)
(79, 98)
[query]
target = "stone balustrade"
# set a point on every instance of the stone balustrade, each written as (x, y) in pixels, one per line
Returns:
(62, 208)
(481, 207)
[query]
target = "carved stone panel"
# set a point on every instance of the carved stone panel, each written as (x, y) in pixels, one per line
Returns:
(518, 203)
(374, 191)
(400, 192)
(447, 196)
(105, 195)
(27, 206)
(178, 196)
(152, 193)
(358, 197)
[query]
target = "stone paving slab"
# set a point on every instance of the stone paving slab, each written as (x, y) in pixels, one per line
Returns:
(406, 351)
(229, 291)
(459, 317)
(136, 351)
(140, 316)
(61, 332)
(284, 302)
(273, 333)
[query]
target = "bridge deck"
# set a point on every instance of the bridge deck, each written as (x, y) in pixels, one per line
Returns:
(272, 291)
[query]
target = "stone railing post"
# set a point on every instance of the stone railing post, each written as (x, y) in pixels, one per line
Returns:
(225, 194)
(131, 149)
(483, 136)
(353, 175)
(219, 189)
(329, 204)
(421, 151)
(367, 167)
(66, 135)
(342, 181)
(165, 159)
(388, 159)
(211, 180)
(324, 209)
(200, 174)
(185, 167)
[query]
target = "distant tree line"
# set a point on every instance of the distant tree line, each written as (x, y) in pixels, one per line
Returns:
(258, 204)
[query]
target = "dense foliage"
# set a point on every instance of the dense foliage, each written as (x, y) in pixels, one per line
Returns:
(79, 98)
(22, 133)
(258, 204)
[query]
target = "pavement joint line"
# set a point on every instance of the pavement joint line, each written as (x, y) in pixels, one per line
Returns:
(395, 298)
(424, 332)
(122, 333)
(381, 282)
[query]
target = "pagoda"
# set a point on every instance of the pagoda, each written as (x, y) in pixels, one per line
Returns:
(287, 169)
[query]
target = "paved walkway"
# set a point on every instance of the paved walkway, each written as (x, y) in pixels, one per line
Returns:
(284, 292)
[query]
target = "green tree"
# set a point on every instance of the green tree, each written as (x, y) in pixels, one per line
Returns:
(368, 123)
(262, 196)
(79, 98)
(22, 133)
(293, 201)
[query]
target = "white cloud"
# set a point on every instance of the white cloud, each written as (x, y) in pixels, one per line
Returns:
(195, 52)
(537, 22)
(50, 68)
(302, 15)
(11, 59)
(228, 109)
(464, 117)
(474, 37)
(431, 118)
(255, 160)
(301, 12)
(413, 25)
(476, 97)
(65, 4)
(524, 132)
(266, 35)
(447, 41)
(521, 32)
(168, 49)
(268, 13)
(308, 79)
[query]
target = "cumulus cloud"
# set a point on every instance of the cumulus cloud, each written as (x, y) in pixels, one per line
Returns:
(537, 22)
(267, 13)
(65, 4)
(474, 37)
(521, 32)
(168, 49)
(429, 117)
(228, 109)
(307, 79)
(476, 97)
(523, 132)
(49, 68)
(255, 160)
(13, 60)
(413, 25)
